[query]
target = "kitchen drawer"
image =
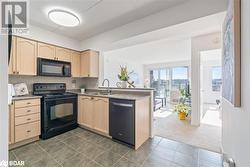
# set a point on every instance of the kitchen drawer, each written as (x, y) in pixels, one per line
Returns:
(27, 111)
(27, 131)
(27, 103)
(27, 119)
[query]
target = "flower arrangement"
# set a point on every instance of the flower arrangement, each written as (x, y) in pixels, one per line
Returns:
(124, 74)
(182, 110)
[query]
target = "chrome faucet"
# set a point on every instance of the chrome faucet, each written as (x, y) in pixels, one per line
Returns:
(103, 83)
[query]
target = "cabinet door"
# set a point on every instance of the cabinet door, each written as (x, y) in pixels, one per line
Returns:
(75, 63)
(90, 64)
(26, 51)
(101, 115)
(63, 54)
(85, 113)
(94, 64)
(12, 63)
(11, 124)
(46, 51)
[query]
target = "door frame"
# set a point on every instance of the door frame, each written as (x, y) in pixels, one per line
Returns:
(198, 44)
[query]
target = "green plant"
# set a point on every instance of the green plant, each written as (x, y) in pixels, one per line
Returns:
(124, 74)
(183, 92)
(181, 108)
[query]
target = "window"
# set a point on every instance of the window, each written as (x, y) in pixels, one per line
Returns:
(216, 79)
(179, 77)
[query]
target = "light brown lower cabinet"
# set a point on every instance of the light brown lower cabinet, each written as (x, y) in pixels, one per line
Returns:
(11, 124)
(93, 113)
(27, 131)
(24, 124)
(85, 111)
(101, 115)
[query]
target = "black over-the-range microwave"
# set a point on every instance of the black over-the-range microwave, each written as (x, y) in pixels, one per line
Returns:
(47, 67)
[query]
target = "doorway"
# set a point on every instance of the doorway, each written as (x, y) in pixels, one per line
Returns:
(169, 84)
(210, 87)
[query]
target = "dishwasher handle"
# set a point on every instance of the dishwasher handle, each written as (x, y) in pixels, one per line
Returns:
(122, 104)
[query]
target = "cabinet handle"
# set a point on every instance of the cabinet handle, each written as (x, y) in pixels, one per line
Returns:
(85, 98)
(28, 110)
(28, 131)
(28, 119)
(28, 102)
(92, 98)
(88, 75)
(17, 72)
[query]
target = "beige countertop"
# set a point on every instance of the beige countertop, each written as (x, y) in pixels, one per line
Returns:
(26, 97)
(115, 95)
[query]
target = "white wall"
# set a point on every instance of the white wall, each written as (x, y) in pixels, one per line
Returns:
(172, 16)
(39, 34)
(135, 57)
(236, 121)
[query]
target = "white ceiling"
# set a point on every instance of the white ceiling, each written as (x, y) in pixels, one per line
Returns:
(205, 25)
(96, 16)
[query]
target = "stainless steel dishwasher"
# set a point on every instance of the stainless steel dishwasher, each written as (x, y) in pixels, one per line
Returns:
(122, 120)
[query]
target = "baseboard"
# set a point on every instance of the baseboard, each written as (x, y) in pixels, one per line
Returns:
(95, 131)
(24, 142)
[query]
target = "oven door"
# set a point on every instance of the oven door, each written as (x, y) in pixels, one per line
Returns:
(59, 114)
(48, 67)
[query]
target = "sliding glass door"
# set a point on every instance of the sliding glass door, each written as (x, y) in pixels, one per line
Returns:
(160, 80)
(167, 80)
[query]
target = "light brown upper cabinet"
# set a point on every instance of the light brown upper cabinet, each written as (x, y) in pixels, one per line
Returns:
(26, 54)
(63, 54)
(46, 51)
(90, 64)
(12, 63)
(75, 63)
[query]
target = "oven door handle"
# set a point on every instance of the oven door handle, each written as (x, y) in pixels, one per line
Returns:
(60, 98)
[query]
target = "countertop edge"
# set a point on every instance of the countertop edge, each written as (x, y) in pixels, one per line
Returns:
(114, 96)
(17, 98)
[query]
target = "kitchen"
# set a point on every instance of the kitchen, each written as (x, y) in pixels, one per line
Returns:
(62, 110)
(47, 101)
(50, 108)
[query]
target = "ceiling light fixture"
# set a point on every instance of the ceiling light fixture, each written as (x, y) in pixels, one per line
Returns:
(63, 18)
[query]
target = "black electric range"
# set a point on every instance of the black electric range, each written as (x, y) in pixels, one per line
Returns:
(58, 108)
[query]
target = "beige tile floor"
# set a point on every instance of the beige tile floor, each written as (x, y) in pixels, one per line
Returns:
(167, 125)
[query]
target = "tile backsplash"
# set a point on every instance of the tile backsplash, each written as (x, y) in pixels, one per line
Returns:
(71, 83)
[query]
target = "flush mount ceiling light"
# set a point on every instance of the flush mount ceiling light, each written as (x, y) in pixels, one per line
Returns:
(64, 18)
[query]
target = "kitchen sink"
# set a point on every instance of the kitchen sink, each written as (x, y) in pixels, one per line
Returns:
(99, 93)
